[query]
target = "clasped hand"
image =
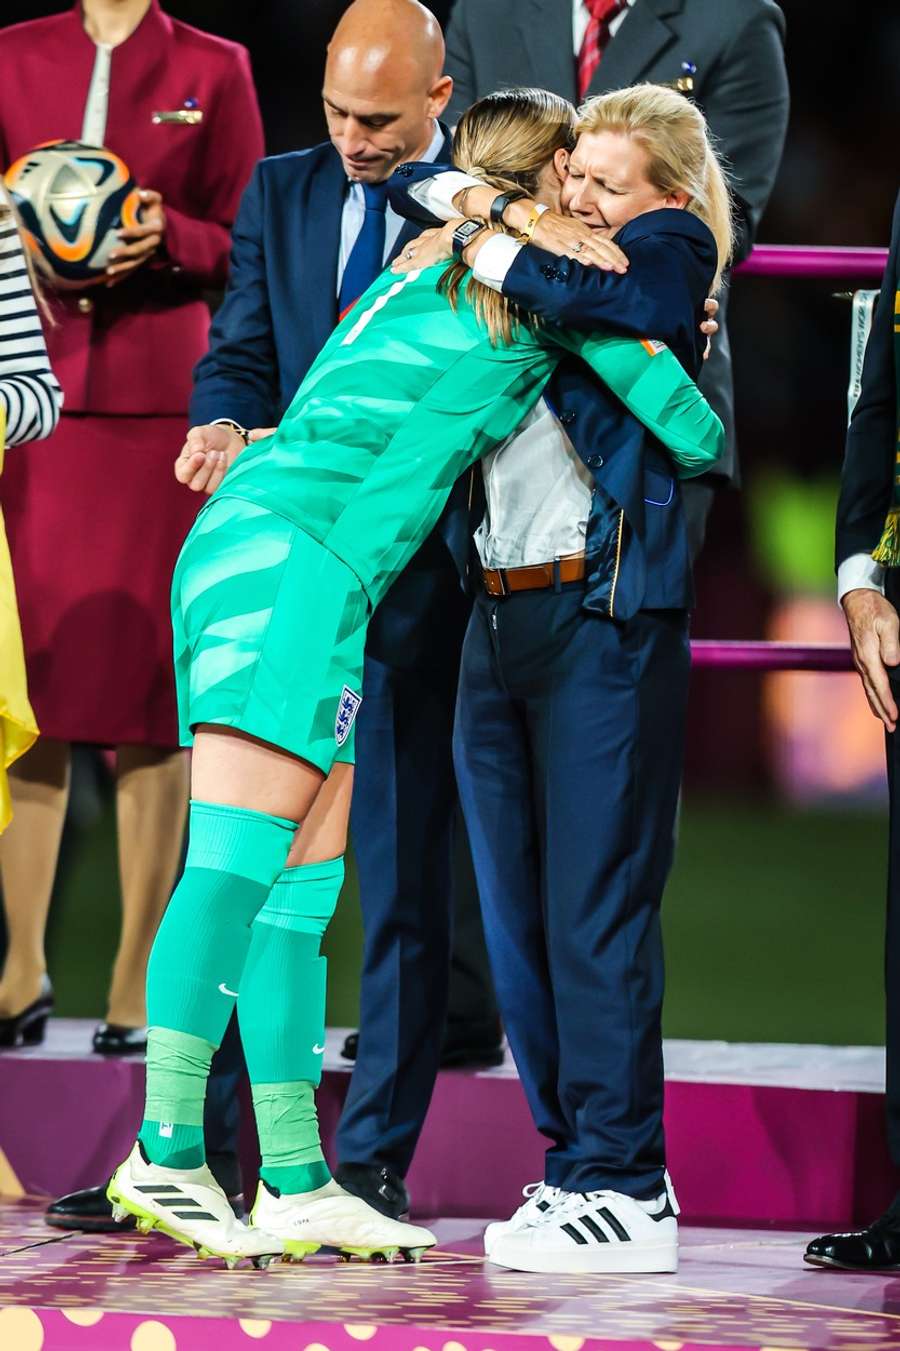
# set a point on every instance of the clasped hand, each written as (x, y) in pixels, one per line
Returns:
(208, 452)
(139, 242)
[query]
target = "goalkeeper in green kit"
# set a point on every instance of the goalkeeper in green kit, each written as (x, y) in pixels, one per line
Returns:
(272, 595)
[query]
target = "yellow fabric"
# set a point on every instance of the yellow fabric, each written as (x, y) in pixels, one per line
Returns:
(18, 729)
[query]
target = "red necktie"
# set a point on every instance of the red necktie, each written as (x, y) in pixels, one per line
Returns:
(596, 37)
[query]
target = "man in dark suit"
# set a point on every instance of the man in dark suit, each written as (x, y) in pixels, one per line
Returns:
(728, 55)
(869, 592)
(313, 231)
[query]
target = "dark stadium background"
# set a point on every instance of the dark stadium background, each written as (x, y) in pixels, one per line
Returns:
(773, 902)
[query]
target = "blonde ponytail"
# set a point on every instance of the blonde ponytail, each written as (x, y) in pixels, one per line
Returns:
(506, 139)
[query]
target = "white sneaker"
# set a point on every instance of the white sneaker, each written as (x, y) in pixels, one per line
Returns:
(602, 1231)
(539, 1199)
(330, 1217)
(189, 1205)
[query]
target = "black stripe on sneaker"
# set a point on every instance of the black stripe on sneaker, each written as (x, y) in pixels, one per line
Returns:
(573, 1233)
(594, 1228)
(192, 1215)
(618, 1229)
(157, 1189)
(176, 1201)
(543, 1205)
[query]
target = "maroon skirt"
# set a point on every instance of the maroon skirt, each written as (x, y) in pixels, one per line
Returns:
(95, 521)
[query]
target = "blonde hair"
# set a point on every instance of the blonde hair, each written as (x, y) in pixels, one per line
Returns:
(506, 139)
(680, 152)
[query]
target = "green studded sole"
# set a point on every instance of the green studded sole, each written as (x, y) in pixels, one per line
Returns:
(146, 1223)
(295, 1250)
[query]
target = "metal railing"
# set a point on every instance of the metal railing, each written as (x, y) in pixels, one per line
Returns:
(791, 260)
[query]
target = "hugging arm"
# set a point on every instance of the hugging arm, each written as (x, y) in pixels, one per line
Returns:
(424, 192)
(656, 295)
(655, 388)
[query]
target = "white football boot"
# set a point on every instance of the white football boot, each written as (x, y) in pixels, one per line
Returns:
(539, 1198)
(330, 1217)
(189, 1205)
(601, 1231)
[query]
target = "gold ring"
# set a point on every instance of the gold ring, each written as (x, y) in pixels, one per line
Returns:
(409, 253)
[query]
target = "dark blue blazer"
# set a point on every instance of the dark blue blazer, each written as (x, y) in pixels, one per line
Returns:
(279, 309)
(639, 560)
(867, 477)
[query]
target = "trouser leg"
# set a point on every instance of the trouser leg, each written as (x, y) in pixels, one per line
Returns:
(495, 784)
(402, 825)
(608, 747)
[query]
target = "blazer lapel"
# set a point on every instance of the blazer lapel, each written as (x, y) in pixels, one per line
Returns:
(319, 245)
(646, 32)
(546, 32)
(411, 229)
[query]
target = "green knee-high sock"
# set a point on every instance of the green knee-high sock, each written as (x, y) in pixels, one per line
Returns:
(195, 968)
(282, 1017)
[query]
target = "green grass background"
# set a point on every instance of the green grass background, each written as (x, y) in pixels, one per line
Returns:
(773, 919)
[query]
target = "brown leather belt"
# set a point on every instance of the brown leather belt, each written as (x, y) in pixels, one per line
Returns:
(535, 577)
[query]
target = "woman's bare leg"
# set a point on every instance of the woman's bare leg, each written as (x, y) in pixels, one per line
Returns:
(151, 806)
(29, 851)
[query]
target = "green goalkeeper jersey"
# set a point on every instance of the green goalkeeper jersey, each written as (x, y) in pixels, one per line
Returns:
(407, 393)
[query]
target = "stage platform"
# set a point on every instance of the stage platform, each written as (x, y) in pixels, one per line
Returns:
(735, 1289)
(789, 1136)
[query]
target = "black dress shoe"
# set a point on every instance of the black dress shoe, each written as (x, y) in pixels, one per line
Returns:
(876, 1248)
(476, 1047)
(382, 1189)
(350, 1046)
(27, 1028)
(114, 1039)
(89, 1209)
(472, 1046)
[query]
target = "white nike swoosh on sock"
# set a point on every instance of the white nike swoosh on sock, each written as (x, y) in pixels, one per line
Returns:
(318, 1050)
(225, 990)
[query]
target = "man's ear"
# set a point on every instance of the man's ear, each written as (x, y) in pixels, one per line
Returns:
(679, 199)
(439, 95)
(561, 164)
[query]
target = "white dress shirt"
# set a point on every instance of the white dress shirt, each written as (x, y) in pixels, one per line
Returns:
(580, 17)
(93, 127)
(538, 490)
(355, 210)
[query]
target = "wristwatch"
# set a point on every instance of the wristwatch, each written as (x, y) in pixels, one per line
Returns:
(464, 233)
(499, 204)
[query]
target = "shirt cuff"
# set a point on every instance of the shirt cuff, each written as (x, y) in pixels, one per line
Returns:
(436, 194)
(494, 259)
(859, 572)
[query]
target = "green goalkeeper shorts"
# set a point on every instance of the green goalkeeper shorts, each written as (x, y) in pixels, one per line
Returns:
(270, 630)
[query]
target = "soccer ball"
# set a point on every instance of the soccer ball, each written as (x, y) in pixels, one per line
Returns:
(72, 198)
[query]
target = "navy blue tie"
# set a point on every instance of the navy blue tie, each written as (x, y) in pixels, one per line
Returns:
(367, 255)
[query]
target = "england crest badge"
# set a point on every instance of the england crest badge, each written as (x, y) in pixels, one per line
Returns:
(348, 707)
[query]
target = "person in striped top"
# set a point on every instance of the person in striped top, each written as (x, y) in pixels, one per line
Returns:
(30, 396)
(30, 400)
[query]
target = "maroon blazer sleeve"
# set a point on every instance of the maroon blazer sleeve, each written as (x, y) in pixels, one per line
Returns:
(199, 248)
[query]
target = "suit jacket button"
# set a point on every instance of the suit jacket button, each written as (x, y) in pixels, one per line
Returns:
(85, 304)
(595, 461)
(567, 419)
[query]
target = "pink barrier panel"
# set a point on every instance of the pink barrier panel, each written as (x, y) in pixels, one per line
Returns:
(762, 656)
(814, 260)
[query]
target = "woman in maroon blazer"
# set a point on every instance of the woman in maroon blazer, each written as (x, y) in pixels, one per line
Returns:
(95, 517)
